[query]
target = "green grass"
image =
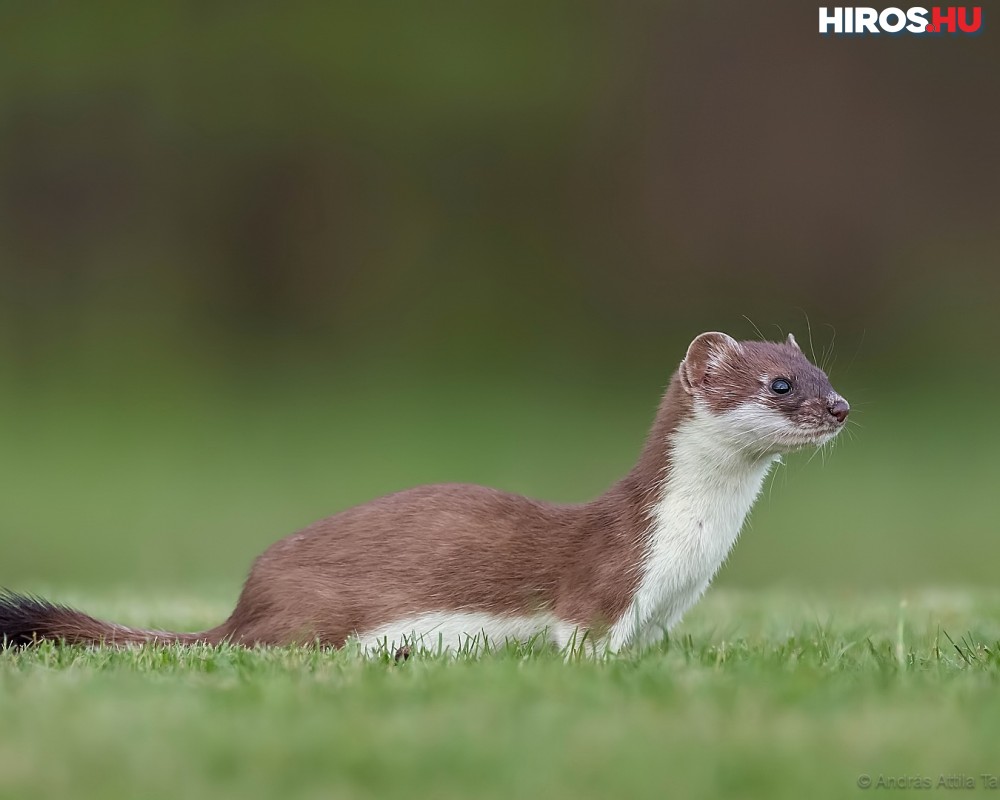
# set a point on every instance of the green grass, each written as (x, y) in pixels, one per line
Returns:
(764, 694)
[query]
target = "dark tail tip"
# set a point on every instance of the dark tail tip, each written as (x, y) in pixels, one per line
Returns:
(25, 619)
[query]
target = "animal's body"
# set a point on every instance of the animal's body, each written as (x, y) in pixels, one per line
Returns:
(442, 565)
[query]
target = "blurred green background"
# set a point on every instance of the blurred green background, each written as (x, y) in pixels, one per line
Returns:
(261, 264)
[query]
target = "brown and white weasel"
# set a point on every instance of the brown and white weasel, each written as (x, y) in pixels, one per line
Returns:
(442, 565)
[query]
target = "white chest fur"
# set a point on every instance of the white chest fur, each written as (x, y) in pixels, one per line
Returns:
(702, 507)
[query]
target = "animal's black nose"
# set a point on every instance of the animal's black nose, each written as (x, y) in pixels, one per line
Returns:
(840, 409)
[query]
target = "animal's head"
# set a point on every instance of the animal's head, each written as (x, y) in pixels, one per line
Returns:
(767, 395)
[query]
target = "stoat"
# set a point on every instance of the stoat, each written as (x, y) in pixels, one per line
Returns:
(443, 565)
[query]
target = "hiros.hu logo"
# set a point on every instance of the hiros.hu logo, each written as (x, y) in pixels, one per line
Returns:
(862, 19)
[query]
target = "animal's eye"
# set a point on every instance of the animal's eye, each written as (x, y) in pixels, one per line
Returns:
(781, 386)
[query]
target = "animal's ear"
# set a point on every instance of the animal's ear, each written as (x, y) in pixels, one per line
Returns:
(791, 340)
(706, 351)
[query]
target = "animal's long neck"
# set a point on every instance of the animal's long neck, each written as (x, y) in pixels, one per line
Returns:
(642, 486)
(684, 503)
(689, 441)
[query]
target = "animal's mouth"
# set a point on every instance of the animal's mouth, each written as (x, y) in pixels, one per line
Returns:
(799, 439)
(814, 437)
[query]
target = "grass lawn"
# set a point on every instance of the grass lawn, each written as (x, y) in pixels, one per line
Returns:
(769, 694)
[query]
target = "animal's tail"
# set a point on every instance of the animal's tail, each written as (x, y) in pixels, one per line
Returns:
(25, 619)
